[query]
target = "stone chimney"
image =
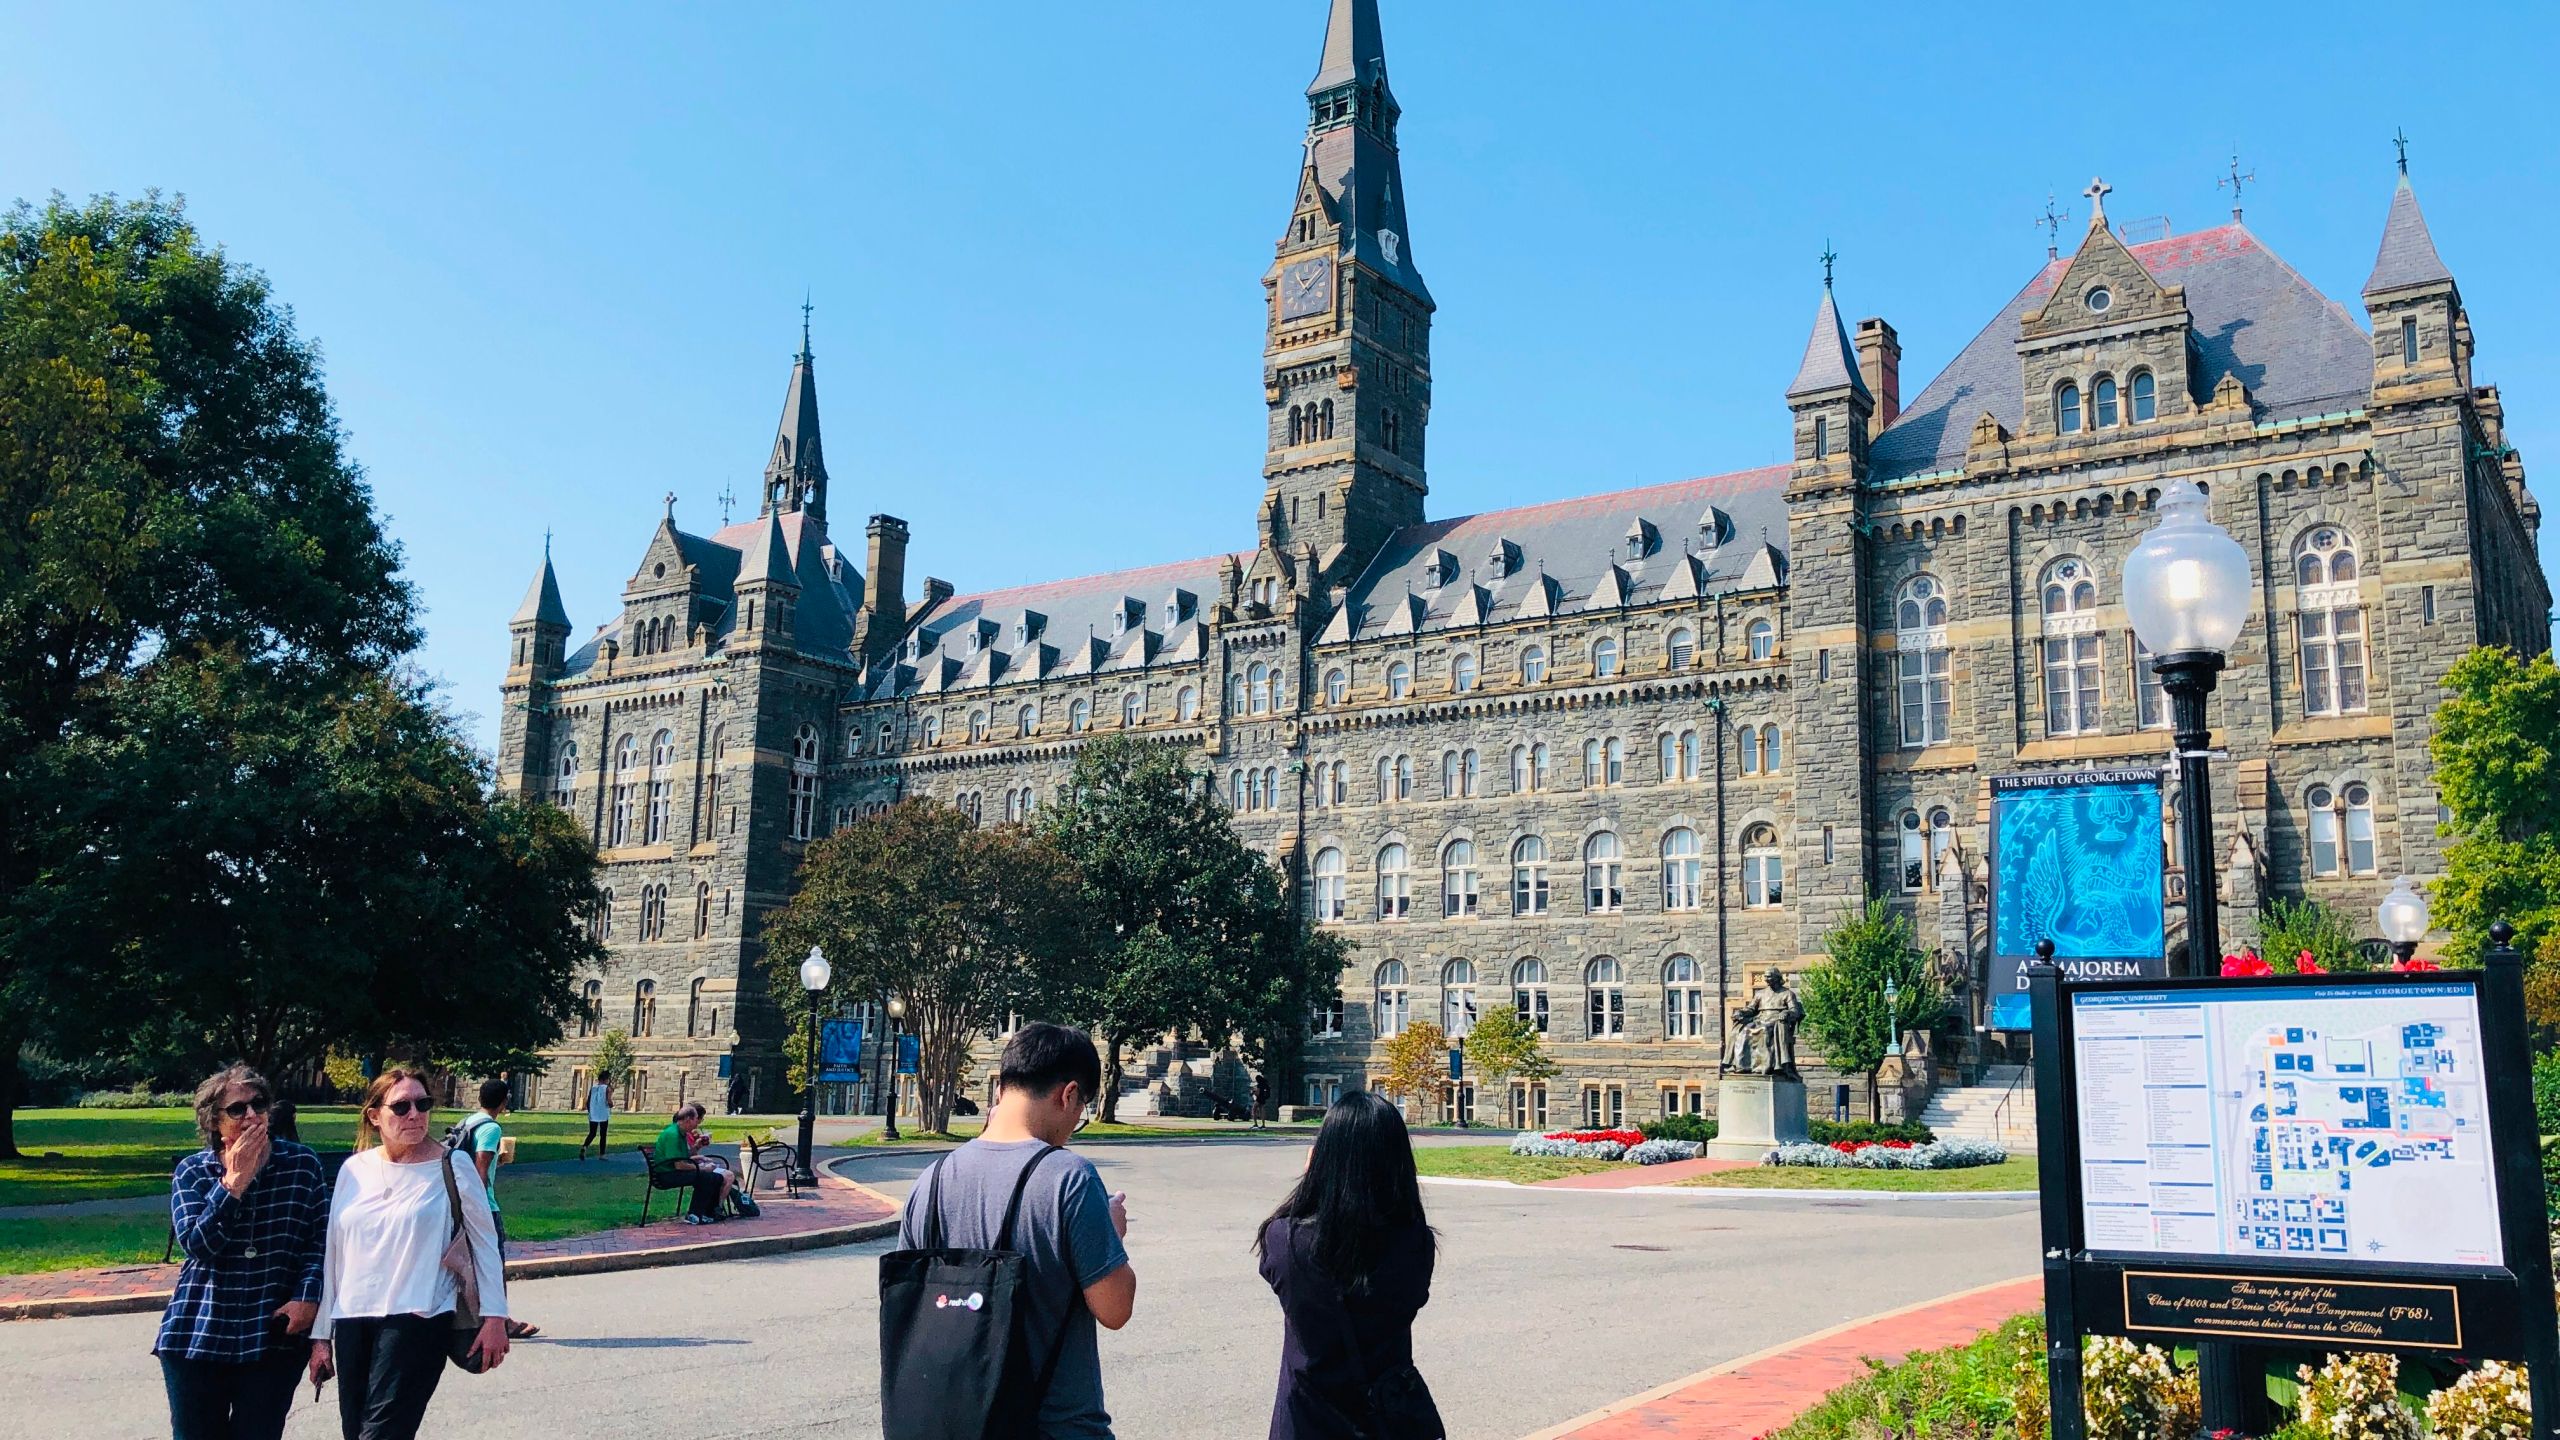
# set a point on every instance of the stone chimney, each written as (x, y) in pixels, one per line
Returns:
(1880, 365)
(884, 587)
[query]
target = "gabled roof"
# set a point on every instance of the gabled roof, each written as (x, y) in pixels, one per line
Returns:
(1829, 363)
(793, 548)
(1065, 611)
(2408, 255)
(2254, 317)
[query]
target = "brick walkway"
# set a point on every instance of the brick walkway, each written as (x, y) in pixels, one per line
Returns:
(1750, 1397)
(841, 1212)
(1628, 1177)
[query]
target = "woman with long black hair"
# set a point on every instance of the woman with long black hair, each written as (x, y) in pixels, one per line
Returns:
(1349, 1254)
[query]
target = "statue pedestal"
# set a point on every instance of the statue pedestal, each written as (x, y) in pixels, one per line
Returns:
(1755, 1114)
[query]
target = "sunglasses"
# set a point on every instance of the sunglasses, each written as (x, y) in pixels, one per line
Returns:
(238, 1108)
(407, 1107)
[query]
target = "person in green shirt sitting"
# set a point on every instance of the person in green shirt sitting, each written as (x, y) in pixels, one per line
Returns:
(675, 1164)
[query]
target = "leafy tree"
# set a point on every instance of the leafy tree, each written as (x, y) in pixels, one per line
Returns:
(1193, 931)
(1845, 1011)
(2497, 758)
(611, 1062)
(1504, 1046)
(171, 483)
(962, 923)
(2329, 934)
(1414, 1062)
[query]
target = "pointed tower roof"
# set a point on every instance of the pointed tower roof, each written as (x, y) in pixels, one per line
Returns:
(542, 601)
(1352, 46)
(795, 478)
(767, 559)
(2408, 255)
(1829, 363)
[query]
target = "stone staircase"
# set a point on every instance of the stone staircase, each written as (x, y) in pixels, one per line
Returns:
(2002, 1108)
(1177, 1079)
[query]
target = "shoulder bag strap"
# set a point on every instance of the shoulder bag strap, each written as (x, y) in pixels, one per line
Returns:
(929, 1186)
(1013, 1207)
(1075, 1294)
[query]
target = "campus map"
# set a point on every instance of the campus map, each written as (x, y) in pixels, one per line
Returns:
(2318, 1122)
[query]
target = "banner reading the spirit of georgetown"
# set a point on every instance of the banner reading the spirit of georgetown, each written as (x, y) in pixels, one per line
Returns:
(2076, 858)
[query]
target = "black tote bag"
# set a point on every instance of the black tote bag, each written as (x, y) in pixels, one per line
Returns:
(954, 1362)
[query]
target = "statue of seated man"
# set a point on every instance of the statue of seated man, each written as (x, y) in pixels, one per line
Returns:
(1764, 1030)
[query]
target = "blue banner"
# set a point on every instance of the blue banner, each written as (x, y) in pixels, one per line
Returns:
(909, 1052)
(839, 1051)
(2078, 857)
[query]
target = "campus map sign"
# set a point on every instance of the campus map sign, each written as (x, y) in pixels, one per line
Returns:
(2334, 1122)
(2078, 858)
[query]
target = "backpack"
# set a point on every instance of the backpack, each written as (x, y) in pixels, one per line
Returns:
(955, 1363)
(457, 1136)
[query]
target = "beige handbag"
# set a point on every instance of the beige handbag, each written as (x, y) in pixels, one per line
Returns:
(457, 1262)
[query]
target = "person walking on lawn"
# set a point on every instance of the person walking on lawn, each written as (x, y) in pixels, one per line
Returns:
(482, 1138)
(250, 1211)
(1068, 1230)
(599, 1119)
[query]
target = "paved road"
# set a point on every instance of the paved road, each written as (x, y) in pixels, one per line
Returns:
(1547, 1305)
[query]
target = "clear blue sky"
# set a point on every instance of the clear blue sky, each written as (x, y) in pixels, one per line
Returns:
(555, 254)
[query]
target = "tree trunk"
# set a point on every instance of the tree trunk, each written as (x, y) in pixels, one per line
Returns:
(1110, 1111)
(9, 1079)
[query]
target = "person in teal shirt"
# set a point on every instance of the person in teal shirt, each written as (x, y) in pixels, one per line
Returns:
(482, 1139)
(674, 1164)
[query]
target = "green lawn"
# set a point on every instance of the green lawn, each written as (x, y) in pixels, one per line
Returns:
(105, 1153)
(1496, 1162)
(1973, 1391)
(2016, 1173)
(542, 1206)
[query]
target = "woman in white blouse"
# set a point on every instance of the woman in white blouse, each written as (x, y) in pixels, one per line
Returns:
(386, 1300)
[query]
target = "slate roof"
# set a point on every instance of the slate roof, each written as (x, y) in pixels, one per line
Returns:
(1123, 620)
(542, 599)
(1696, 537)
(830, 587)
(1351, 42)
(1829, 363)
(2299, 352)
(2408, 255)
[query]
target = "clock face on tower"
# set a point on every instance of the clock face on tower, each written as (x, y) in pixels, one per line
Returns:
(1306, 288)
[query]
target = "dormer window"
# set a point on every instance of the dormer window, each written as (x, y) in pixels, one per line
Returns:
(2100, 300)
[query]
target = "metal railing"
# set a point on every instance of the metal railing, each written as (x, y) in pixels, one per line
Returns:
(2000, 1113)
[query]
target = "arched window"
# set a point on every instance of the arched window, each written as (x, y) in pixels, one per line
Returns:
(1458, 998)
(1399, 680)
(2074, 652)
(1026, 721)
(1747, 750)
(1341, 782)
(1458, 880)
(1763, 872)
(1329, 884)
(564, 777)
(1678, 755)
(1079, 716)
(1605, 985)
(1604, 658)
(2145, 397)
(804, 782)
(1942, 839)
(1681, 649)
(1529, 768)
(662, 785)
(1684, 1000)
(1821, 437)
(1133, 710)
(1683, 879)
(1604, 762)
(626, 775)
(590, 1008)
(2106, 401)
(1257, 685)
(1395, 1001)
(1297, 424)
(1186, 704)
(1603, 874)
(2341, 829)
(1462, 673)
(644, 1008)
(928, 730)
(1337, 686)
(2066, 409)
(1770, 758)
(1395, 883)
(1761, 638)
(888, 736)
(978, 727)
(1240, 791)
(701, 909)
(2329, 622)
(1529, 876)
(1914, 846)
(1327, 424)
(712, 785)
(1533, 665)
(693, 1016)
(1529, 993)
(1921, 661)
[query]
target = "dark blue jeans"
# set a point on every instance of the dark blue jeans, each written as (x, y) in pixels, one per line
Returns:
(223, 1400)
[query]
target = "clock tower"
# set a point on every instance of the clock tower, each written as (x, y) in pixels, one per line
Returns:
(1346, 370)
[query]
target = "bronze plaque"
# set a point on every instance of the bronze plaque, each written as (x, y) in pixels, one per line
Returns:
(2294, 1308)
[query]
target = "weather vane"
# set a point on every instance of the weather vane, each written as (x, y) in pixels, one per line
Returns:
(2400, 141)
(728, 501)
(2050, 222)
(2235, 180)
(1827, 257)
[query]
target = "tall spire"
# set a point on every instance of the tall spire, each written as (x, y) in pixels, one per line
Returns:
(1829, 362)
(1351, 146)
(542, 599)
(1353, 50)
(795, 478)
(2408, 255)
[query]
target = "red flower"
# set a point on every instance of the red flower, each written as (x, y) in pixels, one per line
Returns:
(2415, 964)
(2303, 964)
(2245, 965)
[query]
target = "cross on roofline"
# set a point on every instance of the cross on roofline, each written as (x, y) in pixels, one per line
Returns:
(2097, 193)
(671, 504)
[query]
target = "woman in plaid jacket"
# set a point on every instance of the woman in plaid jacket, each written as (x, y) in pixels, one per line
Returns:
(252, 1215)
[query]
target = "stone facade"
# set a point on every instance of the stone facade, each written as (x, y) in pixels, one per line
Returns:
(1644, 744)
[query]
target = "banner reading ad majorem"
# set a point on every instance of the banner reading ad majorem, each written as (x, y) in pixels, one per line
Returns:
(2076, 857)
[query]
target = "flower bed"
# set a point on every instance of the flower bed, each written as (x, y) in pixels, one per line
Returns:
(1889, 1155)
(1625, 1145)
(1663, 1152)
(1564, 1147)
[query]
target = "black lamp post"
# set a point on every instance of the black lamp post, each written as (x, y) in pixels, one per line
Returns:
(2187, 588)
(897, 1052)
(814, 972)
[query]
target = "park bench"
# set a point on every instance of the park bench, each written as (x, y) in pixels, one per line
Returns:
(769, 1156)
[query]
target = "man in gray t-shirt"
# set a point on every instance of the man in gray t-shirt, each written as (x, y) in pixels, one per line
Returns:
(1069, 1231)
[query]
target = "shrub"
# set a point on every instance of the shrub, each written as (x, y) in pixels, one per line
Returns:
(2356, 1396)
(2546, 1092)
(2490, 1403)
(1830, 1132)
(136, 1099)
(1697, 1128)
(1555, 1147)
(2135, 1392)
(1659, 1152)
(2291, 929)
(2551, 1180)
(1882, 1155)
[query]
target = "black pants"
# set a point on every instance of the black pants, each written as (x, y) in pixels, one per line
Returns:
(226, 1400)
(388, 1367)
(595, 1136)
(705, 1185)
